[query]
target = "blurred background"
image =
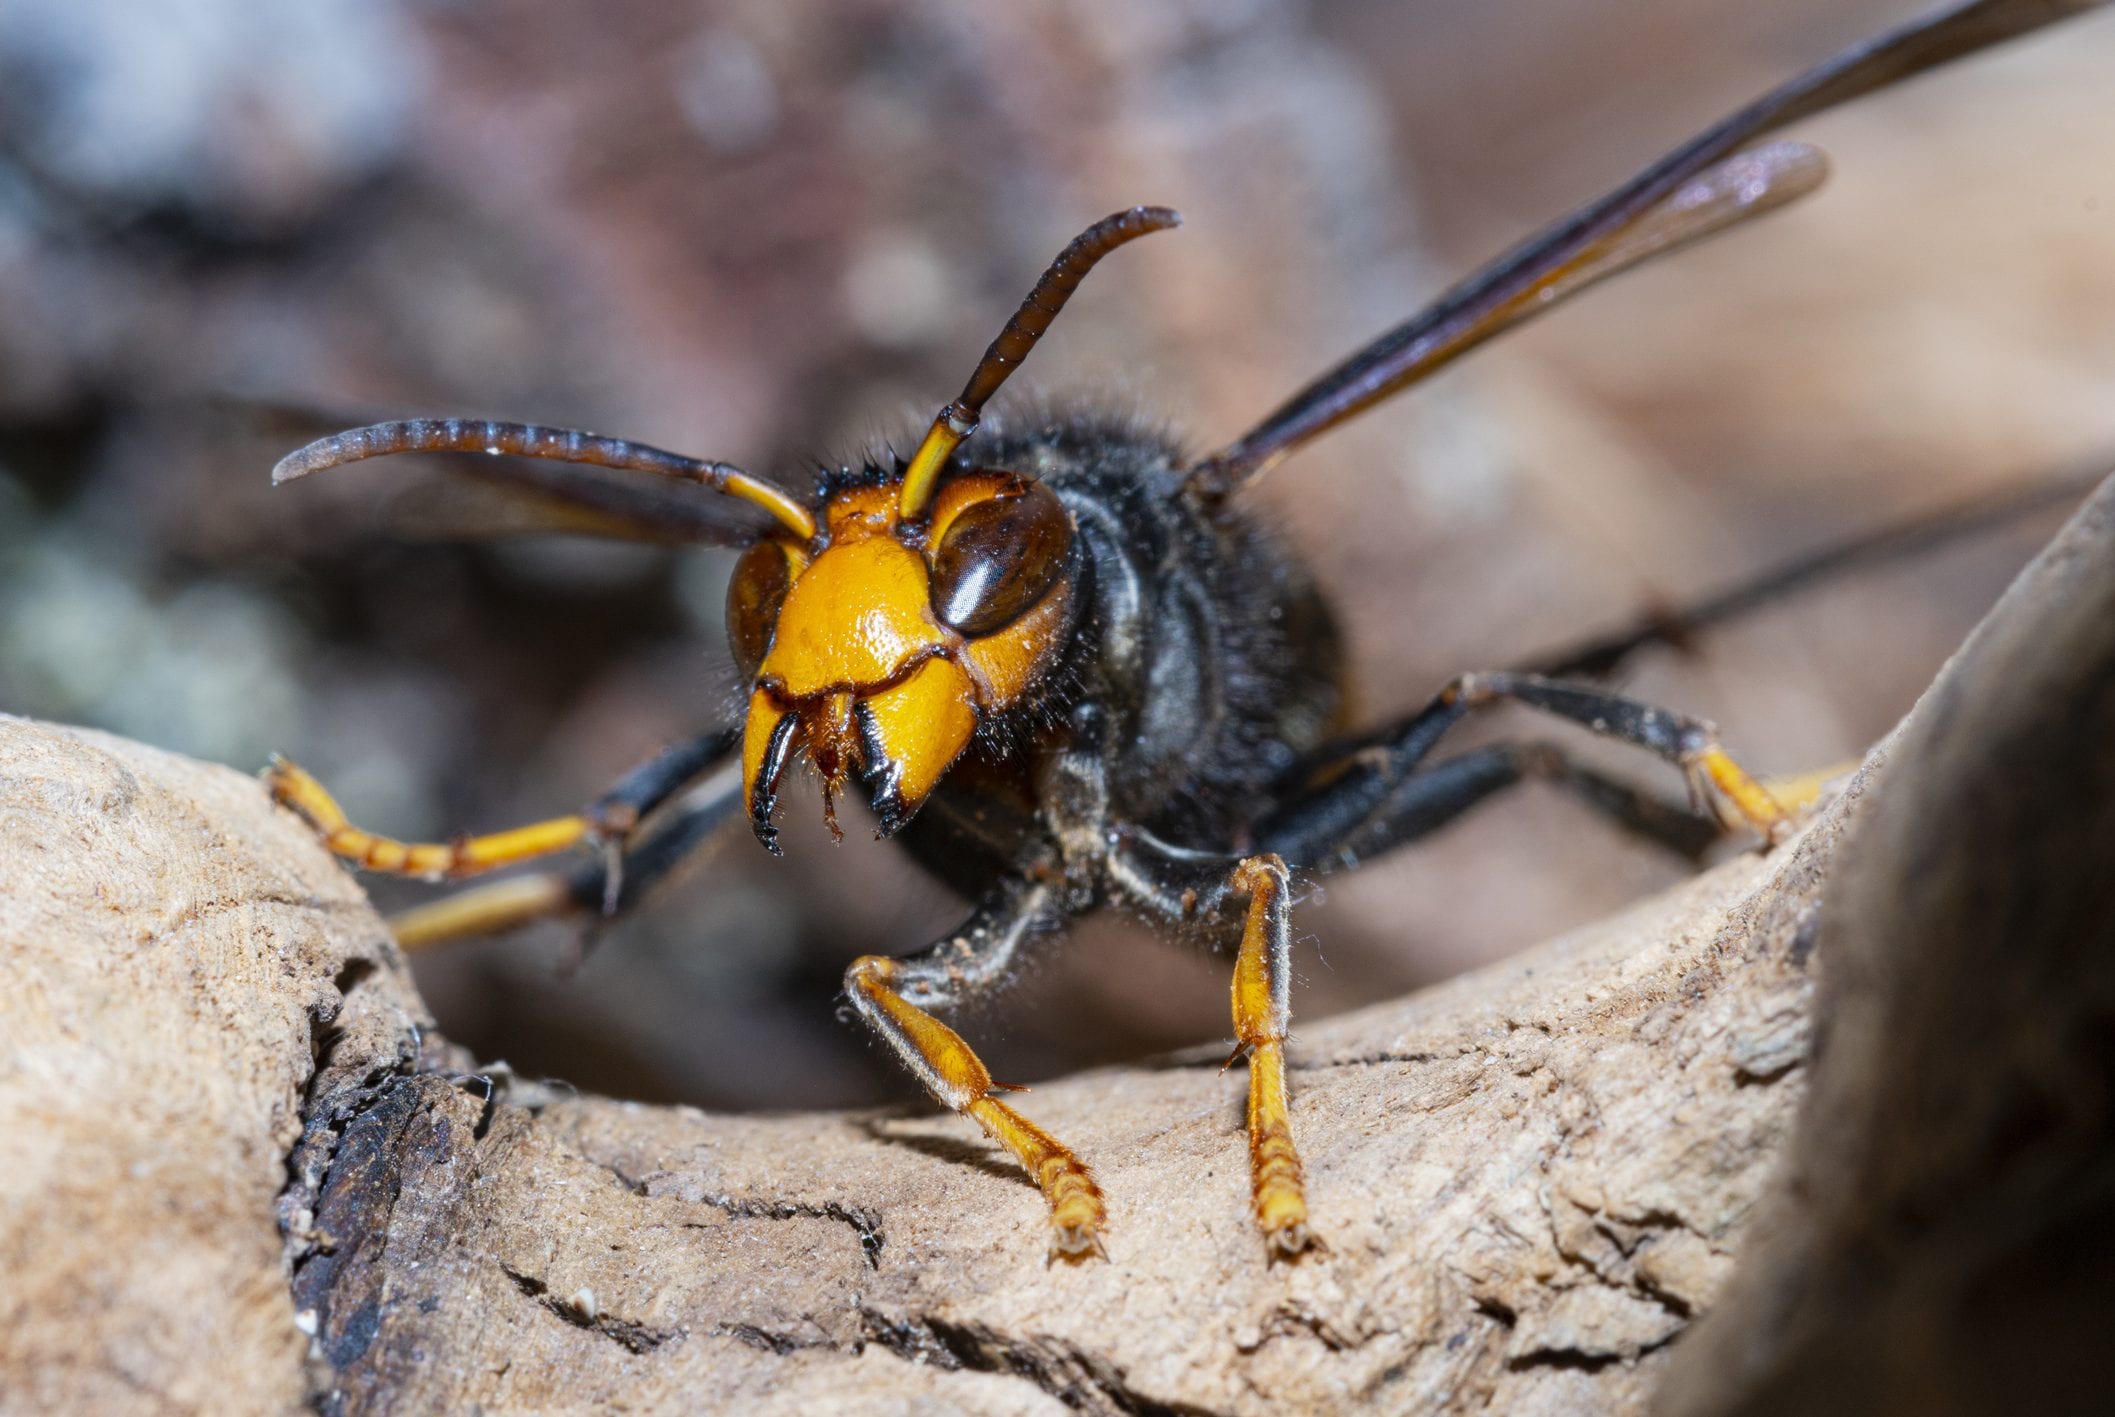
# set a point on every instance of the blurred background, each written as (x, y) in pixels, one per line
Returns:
(771, 231)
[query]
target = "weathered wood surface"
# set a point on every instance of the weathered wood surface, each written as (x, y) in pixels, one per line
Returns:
(1942, 1239)
(225, 1127)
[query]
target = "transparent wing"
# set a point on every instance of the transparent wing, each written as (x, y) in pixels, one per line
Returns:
(467, 498)
(1688, 194)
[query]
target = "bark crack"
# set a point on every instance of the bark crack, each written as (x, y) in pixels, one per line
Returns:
(580, 1311)
(1075, 1377)
(328, 1108)
(865, 1224)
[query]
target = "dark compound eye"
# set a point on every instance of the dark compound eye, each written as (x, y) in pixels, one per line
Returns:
(753, 600)
(999, 557)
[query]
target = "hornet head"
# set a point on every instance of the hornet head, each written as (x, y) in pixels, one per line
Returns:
(923, 606)
(878, 646)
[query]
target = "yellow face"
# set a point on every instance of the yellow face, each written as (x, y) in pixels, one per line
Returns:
(880, 645)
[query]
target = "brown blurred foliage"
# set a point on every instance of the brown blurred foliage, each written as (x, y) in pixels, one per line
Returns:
(773, 231)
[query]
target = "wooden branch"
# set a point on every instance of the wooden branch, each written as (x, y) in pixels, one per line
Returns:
(1943, 1239)
(1530, 1180)
(174, 959)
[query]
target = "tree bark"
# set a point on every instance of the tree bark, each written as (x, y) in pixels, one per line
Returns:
(240, 1171)
(1942, 1238)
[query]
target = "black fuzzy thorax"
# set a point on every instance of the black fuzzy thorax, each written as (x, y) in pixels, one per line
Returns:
(1203, 644)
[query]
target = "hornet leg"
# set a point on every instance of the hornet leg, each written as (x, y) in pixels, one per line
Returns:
(1353, 788)
(1262, 1011)
(1314, 832)
(1205, 894)
(607, 820)
(601, 888)
(893, 997)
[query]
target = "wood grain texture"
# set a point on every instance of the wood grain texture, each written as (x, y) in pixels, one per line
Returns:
(1943, 1238)
(1528, 1180)
(172, 960)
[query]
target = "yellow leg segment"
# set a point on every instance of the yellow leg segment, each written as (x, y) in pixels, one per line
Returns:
(489, 909)
(957, 1077)
(292, 786)
(1262, 1011)
(1804, 790)
(1720, 779)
